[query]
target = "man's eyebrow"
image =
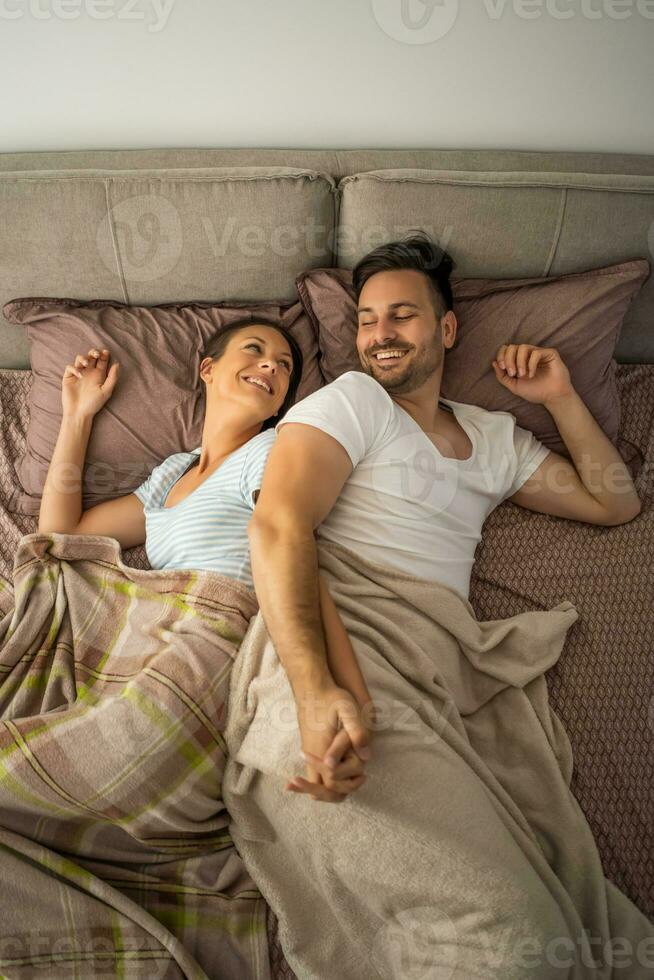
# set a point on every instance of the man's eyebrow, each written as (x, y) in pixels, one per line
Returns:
(264, 344)
(391, 306)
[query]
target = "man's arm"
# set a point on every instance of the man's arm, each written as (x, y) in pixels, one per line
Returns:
(304, 474)
(598, 489)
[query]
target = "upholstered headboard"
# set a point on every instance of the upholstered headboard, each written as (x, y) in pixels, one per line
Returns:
(154, 226)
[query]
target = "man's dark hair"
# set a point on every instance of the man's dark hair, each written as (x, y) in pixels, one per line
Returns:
(216, 347)
(417, 251)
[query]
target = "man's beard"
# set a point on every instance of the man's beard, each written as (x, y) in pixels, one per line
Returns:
(420, 365)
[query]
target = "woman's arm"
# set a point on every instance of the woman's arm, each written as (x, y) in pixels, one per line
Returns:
(61, 503)
(341, 657)
(86, 386)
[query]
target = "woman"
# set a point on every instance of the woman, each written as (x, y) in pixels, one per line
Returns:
(193, 509)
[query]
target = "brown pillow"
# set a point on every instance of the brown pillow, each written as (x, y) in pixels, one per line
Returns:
(157, 407)
(580, 314)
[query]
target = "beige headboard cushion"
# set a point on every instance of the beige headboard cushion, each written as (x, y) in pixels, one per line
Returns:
(504, 225)
(338, 163)
(154, 226)
(159, 236)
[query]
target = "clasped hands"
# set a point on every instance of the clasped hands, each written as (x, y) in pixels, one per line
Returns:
(335, 729)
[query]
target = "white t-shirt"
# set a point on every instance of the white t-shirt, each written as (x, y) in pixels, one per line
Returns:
(404, 504)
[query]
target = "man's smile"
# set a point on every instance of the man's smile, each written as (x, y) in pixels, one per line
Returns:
(389, 356)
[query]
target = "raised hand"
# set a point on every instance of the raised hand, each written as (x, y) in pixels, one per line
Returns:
(86, 384)
(536, 374)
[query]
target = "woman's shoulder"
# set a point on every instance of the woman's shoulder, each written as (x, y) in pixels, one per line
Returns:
(261, 443)
(178, 459)
(164, 473)
(173, 466)
(262, 440)
(257, 447)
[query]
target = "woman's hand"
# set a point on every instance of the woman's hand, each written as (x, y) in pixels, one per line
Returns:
(87, 385)
(333, 724)
(340, 778)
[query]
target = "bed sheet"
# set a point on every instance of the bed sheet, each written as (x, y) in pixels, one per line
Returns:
(602, 687)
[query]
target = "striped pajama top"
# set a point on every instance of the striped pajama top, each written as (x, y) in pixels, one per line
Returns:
(208, 528)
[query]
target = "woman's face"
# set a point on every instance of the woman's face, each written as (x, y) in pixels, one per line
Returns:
(254, 370)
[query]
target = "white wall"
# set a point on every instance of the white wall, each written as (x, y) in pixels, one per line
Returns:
(507, 74)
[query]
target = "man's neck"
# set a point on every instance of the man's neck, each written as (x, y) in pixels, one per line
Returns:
(425, 409)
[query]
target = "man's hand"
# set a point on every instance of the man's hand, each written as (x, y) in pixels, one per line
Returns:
(336, 737)
(536, 374)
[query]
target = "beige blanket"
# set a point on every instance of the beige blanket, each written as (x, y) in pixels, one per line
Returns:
(464, 855)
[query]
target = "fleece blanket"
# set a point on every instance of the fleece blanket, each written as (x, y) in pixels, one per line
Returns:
(465, 854)
(115, 854)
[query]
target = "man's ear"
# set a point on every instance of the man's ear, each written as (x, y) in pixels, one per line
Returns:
(449, 326)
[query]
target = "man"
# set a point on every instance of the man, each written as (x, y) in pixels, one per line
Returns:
(345, 463)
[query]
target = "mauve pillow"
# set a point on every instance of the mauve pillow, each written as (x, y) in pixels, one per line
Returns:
(157, 406)
(580, 314)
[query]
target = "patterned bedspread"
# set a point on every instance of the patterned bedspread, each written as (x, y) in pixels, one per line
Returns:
(602, 687)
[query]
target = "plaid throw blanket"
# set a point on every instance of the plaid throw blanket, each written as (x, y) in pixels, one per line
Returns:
(115, 855)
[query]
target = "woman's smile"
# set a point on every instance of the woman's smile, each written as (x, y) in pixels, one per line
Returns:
(258, 381)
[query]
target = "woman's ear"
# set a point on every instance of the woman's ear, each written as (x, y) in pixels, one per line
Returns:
(204, 364)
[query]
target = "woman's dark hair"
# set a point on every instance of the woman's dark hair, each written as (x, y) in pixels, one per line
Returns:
(216, 347)
(416, 251)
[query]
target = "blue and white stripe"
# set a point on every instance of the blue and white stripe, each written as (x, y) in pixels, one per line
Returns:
(208, 528)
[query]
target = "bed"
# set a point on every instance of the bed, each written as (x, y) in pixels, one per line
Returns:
(577, 211)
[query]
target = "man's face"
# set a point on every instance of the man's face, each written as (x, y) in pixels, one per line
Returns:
(397, 317)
